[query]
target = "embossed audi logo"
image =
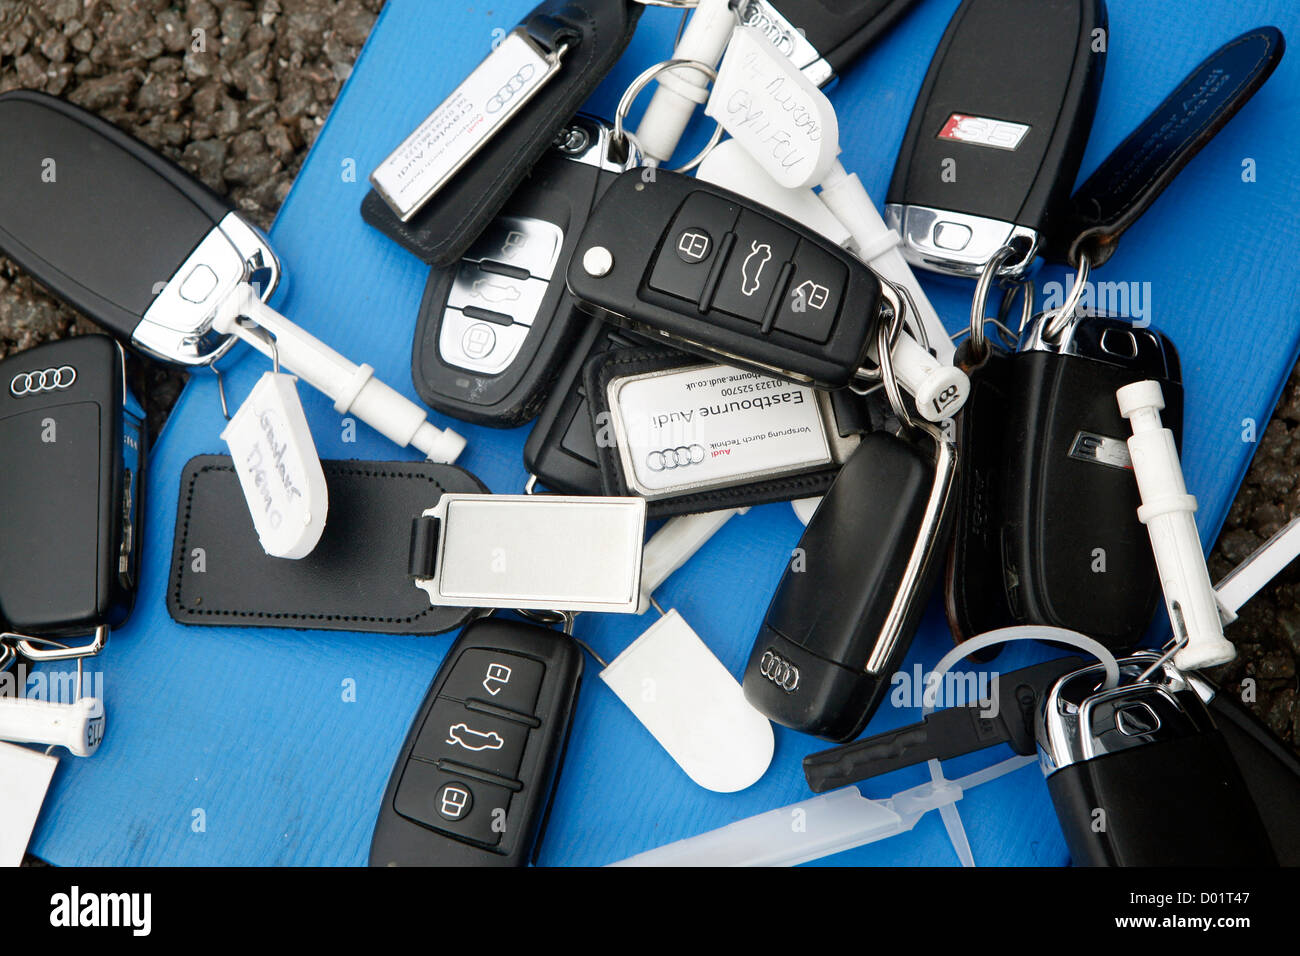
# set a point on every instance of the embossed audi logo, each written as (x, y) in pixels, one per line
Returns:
(779, 671)
(680, 457)
(513, 86)
(46, 380)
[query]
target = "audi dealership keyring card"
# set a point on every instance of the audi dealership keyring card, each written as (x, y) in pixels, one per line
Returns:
(530, 552)
(354, 580)
(692, 437)
(482, 142)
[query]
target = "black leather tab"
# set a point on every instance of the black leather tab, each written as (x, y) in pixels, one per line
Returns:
(423, 560)
(355, 580)
(1140, 168)
(597, 32)
(622, 363)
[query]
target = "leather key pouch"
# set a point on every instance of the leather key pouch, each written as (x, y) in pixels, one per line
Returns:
(1143, 165)
(692, 437)
(593, 34)
(356, 578)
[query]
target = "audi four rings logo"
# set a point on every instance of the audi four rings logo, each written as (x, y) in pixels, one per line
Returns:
(513, 86)
(779, 671)
(680, 457)
(46, 380)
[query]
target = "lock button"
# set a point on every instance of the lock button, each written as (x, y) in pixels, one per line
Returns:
(465, 808)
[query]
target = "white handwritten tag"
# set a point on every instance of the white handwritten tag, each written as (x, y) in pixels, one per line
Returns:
(774, 111)
(279, 471)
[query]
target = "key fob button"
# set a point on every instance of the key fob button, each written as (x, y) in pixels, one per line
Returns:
(486, 347)
(199, 284)
(455, 805)
(749, 278)
(691, 244)
(524, 242)
(812, 303)
(455, 733)
(505, 680)
(952, 236)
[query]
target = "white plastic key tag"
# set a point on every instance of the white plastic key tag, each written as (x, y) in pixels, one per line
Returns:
(692, 705)
(278, 468)
(24, 777)
(78, 726)
(774, 111)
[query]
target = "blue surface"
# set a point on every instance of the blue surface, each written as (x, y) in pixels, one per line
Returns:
(250, 726)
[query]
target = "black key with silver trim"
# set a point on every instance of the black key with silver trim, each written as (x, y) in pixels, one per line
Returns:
(999, 129)
(495, 328)
(1047, 529)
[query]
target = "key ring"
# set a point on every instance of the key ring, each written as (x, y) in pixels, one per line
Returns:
(1063, 315)
(886, 336)
(56, 650)
(641, 82)
(979, 304)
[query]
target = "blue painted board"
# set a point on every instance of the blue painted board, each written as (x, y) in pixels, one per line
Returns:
(237, 746)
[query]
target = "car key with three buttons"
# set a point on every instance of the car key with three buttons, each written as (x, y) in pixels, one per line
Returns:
(473, 781)
(717, 274)
(495, 328)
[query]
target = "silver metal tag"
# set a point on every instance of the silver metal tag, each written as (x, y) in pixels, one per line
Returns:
(712, 426)
(465, 121)
(538, 552)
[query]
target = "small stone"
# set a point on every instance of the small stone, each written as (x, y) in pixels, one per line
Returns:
(207, 159)
(105, 91)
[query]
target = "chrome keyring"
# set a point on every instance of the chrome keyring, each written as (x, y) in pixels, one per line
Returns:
(634, 89)
(979, 304)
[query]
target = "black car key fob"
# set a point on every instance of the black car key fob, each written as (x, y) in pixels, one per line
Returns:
(561, 449)
(495, 327)
(846, 610)
(699, 267)
(473, 782)
(1049, 533)
(995, 141)
(72, 440)
(1140, 775)
(118, 232)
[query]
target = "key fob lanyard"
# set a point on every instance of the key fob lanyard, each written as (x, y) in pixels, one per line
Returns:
(536, 79)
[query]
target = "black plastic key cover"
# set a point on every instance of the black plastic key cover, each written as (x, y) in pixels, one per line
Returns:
(95, 216)
(1003, 116)
(72, 447)
(808, 667)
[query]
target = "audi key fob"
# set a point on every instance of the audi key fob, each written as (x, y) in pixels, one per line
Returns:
(495, 328)
(119, 233)
(72, 439)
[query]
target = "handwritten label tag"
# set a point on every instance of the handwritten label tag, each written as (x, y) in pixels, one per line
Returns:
(774, 111)
(278, 468)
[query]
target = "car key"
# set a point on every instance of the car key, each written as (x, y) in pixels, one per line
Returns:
(494, 328)
(716, 274)
(1048, 530)
(72, 439)
(1006, 718)
(475, 775)
(1140, 775)
(121, 234)
(847, 608)
(994, 144)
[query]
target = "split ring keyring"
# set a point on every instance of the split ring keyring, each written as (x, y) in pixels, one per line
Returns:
(641, 82)
(979, 304)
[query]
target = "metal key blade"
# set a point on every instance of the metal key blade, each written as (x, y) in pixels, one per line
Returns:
(1007, 718)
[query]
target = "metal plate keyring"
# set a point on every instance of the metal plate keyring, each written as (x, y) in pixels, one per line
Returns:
(641, 82)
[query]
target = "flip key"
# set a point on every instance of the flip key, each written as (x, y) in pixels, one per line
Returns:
(994, 144)
(714, 273)
(494, 328)
(474, 778)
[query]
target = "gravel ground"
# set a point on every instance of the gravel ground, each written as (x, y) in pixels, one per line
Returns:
(241, 115)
